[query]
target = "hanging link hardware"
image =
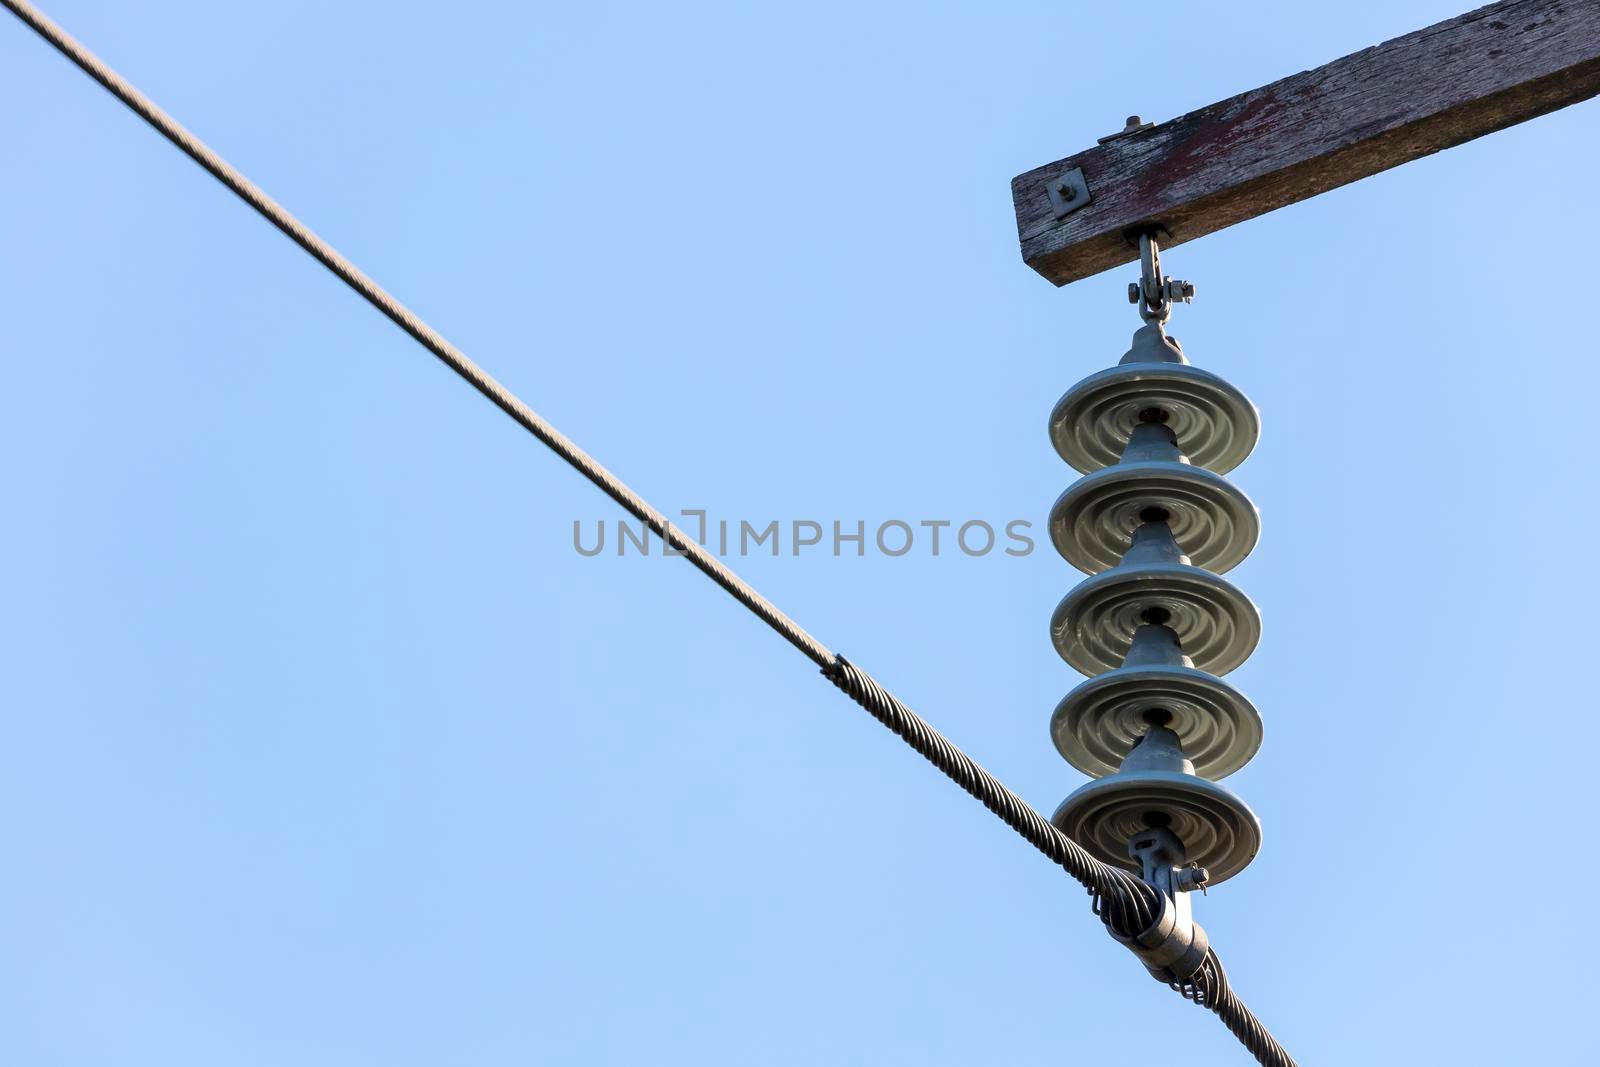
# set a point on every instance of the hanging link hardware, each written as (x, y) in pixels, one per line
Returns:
(1154, 292)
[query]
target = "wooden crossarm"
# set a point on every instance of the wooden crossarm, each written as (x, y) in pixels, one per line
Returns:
(1311, 132)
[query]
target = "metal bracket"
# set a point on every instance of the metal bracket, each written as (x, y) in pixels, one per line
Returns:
(1068, 192)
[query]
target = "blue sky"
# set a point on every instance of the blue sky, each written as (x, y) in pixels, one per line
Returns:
(325, 747)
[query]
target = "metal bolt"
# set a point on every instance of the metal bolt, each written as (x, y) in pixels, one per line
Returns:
(1177, 290)
(1133, 125)
(1133, 292)
(1190, 878)
(1066, 191)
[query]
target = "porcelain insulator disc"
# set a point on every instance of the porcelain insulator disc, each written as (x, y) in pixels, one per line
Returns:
(1216, 425)
(1219, 830)
(1092, 523)
(1093, 626)
(1094, 727)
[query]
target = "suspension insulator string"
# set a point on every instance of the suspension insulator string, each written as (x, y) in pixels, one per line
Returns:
(1124, 903)
(1154, 524)
(1155, 624)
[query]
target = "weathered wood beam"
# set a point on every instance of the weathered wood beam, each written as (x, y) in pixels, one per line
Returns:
(1314, 131)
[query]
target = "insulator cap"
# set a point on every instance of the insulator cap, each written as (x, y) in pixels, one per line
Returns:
(1093, 626)
(1214, 523)
(1097, 724)
(1156, 787)
(1216, 424)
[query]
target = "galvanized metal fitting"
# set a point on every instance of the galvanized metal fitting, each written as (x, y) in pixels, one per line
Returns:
(1154, 292)
(1174, 947)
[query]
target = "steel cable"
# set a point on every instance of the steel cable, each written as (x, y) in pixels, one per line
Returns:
(1215, 993)
(1121, 900)
(407, 320)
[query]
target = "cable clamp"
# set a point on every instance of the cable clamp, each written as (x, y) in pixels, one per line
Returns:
(1174, 947)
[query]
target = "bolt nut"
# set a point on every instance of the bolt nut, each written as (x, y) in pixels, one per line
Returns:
(1066, 191)
(1133, 292)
